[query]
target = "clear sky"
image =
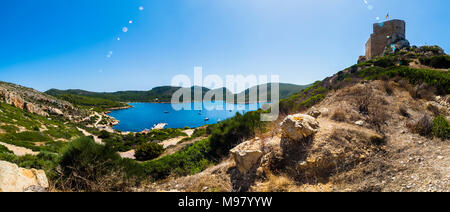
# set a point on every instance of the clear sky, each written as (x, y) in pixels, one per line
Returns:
(74, 43)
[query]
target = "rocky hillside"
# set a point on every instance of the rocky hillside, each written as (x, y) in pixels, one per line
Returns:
(380, 125)
(38, 103)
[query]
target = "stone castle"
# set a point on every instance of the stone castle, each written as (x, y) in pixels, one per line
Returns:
(389, 35)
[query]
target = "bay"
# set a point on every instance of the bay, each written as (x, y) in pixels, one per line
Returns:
(145, 115)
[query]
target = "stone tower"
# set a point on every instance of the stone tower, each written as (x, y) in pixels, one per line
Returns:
(389, 34)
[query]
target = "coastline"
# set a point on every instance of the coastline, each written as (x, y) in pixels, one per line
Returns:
(109, 110)
(116, 121)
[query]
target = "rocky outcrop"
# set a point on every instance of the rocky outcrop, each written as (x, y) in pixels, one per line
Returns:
(12, 98)
(299, 126)
(55, 111)
(38, 103)
(18, 102)
(15, 179)
(247, 155)
(34, 109)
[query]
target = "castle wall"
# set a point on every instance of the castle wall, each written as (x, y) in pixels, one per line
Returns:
(384, 34)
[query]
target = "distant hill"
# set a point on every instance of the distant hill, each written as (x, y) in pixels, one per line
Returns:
(285, 90)
(164, 93)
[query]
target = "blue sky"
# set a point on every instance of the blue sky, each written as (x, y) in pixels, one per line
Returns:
(65, 44)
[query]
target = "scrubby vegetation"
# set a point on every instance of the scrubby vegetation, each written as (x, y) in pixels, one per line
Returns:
(197, 134)
(148, 151)
(426, 82)
(441, 61)
(99, 104)
(123, 143)
(87, 166)
(35, 129)
(305, 99)
(198, 156)
(3, 149)
(441, 127)
(438, 127)
(193, 159)
(45, 160)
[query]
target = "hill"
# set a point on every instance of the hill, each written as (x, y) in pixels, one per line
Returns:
(158, 94)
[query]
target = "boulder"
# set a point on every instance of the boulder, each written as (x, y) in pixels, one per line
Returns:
(247, 155)
(299, 126)
(15, 179)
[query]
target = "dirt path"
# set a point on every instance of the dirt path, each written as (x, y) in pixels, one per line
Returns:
(99, 120)
(19, 151)
(86, 133)
(174, 141)
(129, 154)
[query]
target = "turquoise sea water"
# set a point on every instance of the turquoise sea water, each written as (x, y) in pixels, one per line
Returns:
(145, 115)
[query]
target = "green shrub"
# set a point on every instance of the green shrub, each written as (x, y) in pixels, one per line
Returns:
(384, 62)
(313, 100)
(199, 155)
(227, 134)
(441, 127)
(441, 61)
(44, 160)
(148, 151)
(438, 79)
(62, 132)
(87, 166)
(3, 149)
(30, 136)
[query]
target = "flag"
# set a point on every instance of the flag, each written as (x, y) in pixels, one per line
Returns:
(387, 16)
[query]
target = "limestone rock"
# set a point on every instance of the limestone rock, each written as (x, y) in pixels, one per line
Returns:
(13, 99)
(56, 111)
(15, 179)
(247, 155)
(299, 126)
